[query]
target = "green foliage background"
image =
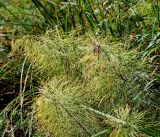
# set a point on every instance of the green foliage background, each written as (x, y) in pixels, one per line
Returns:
(64, 90)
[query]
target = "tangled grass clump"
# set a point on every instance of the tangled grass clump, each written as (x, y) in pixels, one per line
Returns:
(86, 95)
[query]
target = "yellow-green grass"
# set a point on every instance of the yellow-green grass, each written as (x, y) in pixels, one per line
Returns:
(83, 94)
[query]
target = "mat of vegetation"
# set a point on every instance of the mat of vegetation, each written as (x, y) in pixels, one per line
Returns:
(95, 72)
(87, 94)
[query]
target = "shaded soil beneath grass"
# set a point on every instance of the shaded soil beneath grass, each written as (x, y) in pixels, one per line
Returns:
(9, 91)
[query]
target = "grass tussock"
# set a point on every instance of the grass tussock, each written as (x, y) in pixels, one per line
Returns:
(83, 94)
